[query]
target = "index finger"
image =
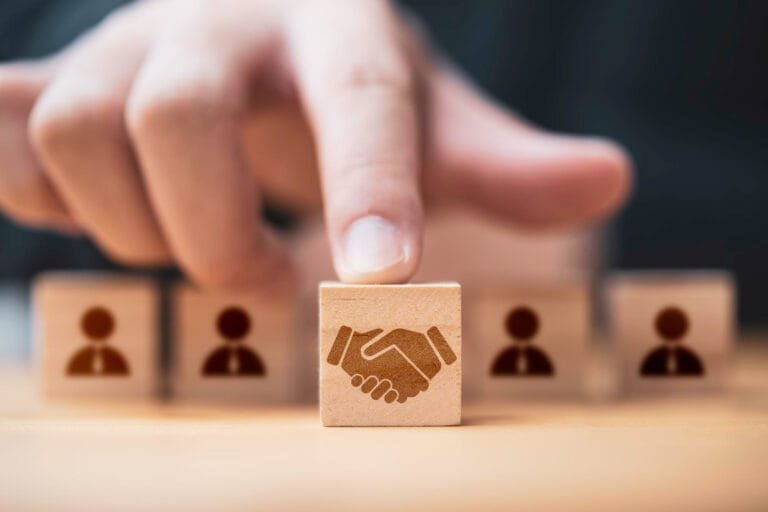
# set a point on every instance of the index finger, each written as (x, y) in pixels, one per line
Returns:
(359, 92)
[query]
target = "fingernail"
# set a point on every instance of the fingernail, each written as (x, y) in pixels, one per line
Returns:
(373, 244)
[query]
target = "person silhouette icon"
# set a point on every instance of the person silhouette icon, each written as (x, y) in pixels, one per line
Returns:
(522, 359)
(234, 359)
(672, 359)
(97, 359)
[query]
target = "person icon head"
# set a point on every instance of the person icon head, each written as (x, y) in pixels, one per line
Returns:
(522, 324)
(235, 358)
(522, 358)
(671, 324)
(233, 324)
(672, 359)
(97, 323)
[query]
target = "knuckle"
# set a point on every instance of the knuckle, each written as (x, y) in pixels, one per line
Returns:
(167, 107)
(364, 78)
(63, 122)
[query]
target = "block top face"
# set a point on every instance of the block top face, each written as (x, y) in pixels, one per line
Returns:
(344, 286)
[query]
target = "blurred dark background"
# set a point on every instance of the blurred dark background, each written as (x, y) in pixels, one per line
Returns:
(683, 85)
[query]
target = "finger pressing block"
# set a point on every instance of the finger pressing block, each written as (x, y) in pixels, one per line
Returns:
(390, 355)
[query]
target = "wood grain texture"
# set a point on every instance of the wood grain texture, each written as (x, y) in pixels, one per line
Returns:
(390, 354)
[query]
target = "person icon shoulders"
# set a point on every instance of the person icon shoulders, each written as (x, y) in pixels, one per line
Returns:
(97, 358)
(671, 359)
(522, 359)
(234, 359)
(231, 362)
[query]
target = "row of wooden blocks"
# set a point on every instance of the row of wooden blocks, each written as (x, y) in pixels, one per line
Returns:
(389, 354)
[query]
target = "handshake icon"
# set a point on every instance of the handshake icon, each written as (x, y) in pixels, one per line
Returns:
(395, 366)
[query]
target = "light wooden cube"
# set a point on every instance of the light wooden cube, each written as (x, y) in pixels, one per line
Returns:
(529, 342)
(673, 330)
(233, 347)
(390, 354)
(97, 336)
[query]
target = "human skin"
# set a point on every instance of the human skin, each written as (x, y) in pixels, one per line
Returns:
(160, 132)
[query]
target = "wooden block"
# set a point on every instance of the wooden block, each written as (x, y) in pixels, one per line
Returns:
(233, 347)
(529, 342)
(390, 354)
(673, 330)
(97, 336)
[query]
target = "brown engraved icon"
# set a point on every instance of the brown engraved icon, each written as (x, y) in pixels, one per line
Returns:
(672, 359)
(396, 366)
(234, 359)
(97, 359)
(522, 359)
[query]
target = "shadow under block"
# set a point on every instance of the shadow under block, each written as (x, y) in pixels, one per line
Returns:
(529, 342)
(97, 336)
(233, 347)
(390, 355)
(673, 331)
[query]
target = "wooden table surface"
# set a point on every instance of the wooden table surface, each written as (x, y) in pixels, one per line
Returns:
(706, 453)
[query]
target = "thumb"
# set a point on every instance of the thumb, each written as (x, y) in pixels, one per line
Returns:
(481, 154)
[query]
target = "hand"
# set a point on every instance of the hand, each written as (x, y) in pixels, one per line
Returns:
(159, 132)
(397, 366)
